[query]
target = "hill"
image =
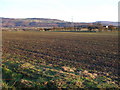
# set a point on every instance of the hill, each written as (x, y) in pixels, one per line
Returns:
(108, 23)
(37, 22)
(46, 22)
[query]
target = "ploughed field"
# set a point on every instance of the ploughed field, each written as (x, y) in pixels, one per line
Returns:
(60, 59)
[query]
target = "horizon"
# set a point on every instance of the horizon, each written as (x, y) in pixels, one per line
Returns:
(72, 10)
(59, 19)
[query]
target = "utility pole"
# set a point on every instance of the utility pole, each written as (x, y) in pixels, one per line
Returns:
(72, 23)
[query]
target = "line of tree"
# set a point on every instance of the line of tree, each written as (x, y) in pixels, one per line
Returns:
(93, 27)
(100, 27)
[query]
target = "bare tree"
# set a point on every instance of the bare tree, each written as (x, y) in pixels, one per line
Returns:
(99, 26)
(111, 27)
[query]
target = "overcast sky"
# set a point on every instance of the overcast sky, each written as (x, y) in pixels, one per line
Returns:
(80, 10)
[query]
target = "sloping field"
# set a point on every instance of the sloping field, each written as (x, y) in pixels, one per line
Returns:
(60, 60)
